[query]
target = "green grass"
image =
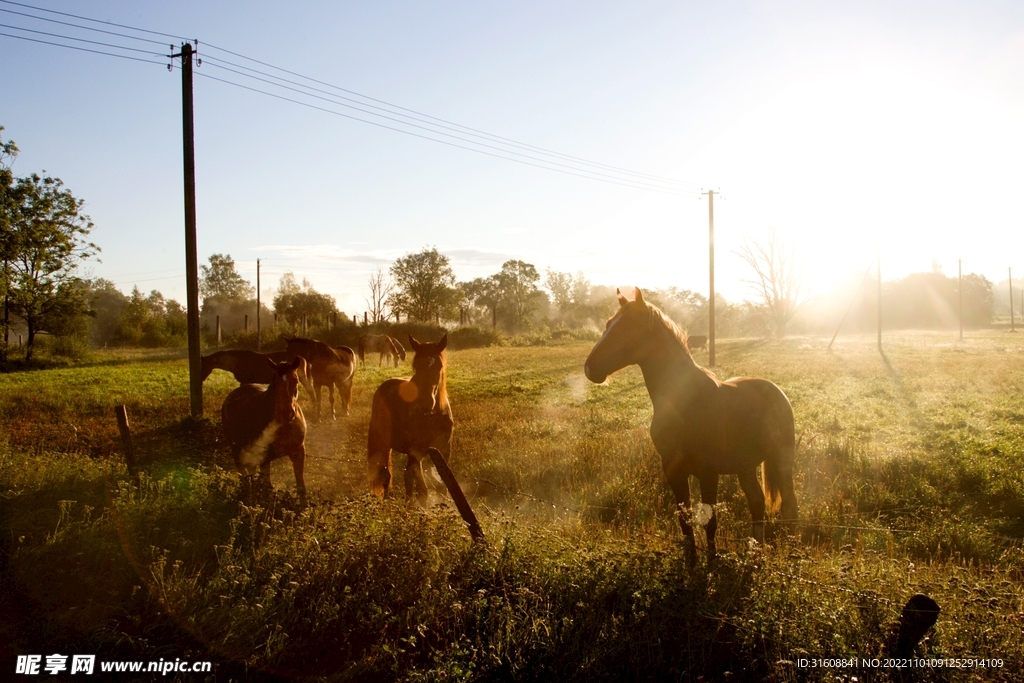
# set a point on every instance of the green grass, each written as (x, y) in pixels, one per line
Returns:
(909, 480)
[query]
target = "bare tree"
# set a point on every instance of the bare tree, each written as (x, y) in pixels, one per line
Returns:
(778, 280)
(381, 287)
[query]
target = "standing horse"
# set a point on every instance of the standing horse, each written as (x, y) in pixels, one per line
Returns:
(378, 343)
(263, 424)
(331, 368)
(410, 415)
(250, 367)
(702, 426)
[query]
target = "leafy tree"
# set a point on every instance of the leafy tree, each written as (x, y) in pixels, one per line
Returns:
(220, 280)
(571, 296)
(293, 302)
(482, 292)
(43, 244)
(517, 291)
(106, 305)
(424, 286)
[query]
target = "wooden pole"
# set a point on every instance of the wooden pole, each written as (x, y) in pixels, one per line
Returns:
(121, 413)
(461, 504)
(960, 292)
(258, 330)
(711, 278)
(879, 299)
(218, 330)
(191, 259)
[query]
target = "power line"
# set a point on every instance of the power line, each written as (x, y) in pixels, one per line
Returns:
(437, 132)
(80, 49)
(636, 180)
(83, 40)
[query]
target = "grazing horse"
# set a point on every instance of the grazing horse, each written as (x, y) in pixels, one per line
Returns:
(263, 424)
(250, 367)
(332, 367)
(696, 341)
(379, 343)
(702, 426)
(411, 415)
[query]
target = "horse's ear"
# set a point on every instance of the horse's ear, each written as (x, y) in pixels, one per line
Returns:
(622, 300)
(441, 345)
(639, 297)
(295, 363)
(271, 363)
(413, 344)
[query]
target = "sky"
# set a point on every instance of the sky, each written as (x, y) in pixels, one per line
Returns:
(851, 129)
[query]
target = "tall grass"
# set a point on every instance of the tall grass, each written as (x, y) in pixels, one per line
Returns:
(909, 478)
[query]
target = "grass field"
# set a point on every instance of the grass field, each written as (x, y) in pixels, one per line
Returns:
(910, 477)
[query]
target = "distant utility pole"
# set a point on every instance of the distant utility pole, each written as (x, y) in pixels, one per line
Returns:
(1010, 276)
(960, 292)
(880, 300)
(711, 277)
(191, 260)
(258, 335)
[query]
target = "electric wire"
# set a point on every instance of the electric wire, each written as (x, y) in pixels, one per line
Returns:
(437, 132)
(83, 40)
(80, 49)
(638, 180)
(466, 130)
(79, 26)
(443, 142)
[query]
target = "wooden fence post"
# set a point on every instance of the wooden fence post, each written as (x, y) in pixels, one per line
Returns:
(457, 495)
(126, 438)
(218, 330)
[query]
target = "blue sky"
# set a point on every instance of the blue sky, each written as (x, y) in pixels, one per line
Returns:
(844, 126)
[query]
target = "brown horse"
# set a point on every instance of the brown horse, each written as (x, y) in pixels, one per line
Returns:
(332, 367)
(702, 426)
(378, 343)
(410, 415)
(250, 367)
(263, 424)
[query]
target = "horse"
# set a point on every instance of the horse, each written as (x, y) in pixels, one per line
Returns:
(399, 348)
(378, 343)
(332, 367)
(263, 424)
(702, 426)
(250, 367)
(696, 341)
(411, 415)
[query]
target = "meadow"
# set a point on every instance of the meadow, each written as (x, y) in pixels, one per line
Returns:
(910, 478)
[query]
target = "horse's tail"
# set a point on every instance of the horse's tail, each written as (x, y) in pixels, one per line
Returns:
(777, 480)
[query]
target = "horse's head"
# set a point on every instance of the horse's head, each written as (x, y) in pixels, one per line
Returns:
(428, 367)
(285, 388)
(398, 347)
(206, 363)
(625, 341)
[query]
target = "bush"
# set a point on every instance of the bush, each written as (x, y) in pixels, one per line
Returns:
(474, 337)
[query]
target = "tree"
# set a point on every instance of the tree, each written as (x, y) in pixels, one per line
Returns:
(8, 153)
(482, 292)
(220, 280)
(571, 296)
(293, 302)
(381, 287)
(517, 291)
(43, 244)
(778, 278)
(424, 286)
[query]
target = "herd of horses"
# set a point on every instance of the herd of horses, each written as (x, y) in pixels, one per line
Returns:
(702, 427)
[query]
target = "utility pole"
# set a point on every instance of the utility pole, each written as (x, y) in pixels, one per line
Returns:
(880, 300)
(191, 259)
(711, 276)
(960, 293)
(258, 335)
(1010, 277)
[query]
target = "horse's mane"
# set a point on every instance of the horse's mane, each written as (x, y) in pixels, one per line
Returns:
(658, 317)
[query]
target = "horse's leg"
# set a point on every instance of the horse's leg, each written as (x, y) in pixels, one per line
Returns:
(298, 459)
(709, 496)
(755, 499)
(330, 395)
(414, 483)
(345, 391)
(318, 397)
(679, 479)
(378, 471)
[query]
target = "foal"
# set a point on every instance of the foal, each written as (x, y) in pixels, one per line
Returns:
(263, 424)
